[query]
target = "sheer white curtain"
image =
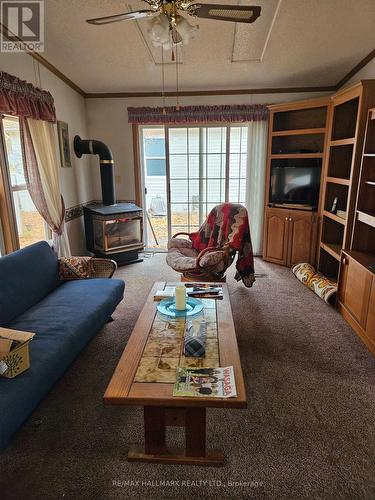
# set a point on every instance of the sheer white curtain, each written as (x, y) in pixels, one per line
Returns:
(256, 175)
(42, 176)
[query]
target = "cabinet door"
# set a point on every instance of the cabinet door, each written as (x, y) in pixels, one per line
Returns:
(355, 284)
(276, 236)
(370, 326)
(302, 238)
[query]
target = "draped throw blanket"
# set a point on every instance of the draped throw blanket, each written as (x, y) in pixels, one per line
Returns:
(199, 114)
(228, 224)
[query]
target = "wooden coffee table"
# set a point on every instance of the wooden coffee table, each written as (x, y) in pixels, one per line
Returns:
(146, 373)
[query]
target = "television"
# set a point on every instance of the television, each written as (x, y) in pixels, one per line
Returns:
(295, 185)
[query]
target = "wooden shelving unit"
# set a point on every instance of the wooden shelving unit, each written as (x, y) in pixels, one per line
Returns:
(334, 217)
(357, 271)
(296, 155)
(363, 238)
(346, 130)
(338, 180)
(302, 131)
(297, 138)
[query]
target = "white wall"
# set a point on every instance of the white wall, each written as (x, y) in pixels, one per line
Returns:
(107, 121)
(76, 182)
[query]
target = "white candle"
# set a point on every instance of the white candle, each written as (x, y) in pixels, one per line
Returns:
(180, 298)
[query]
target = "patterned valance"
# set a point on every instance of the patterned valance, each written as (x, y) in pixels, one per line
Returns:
(20, 98)
(198, 114)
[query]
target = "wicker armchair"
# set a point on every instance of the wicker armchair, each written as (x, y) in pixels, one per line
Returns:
(78, 268)
(208, 265)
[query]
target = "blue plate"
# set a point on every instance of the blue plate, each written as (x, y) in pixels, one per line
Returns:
(167, 307)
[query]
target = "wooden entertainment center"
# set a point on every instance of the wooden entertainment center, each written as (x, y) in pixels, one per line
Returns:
(337, 235)
(297, 138)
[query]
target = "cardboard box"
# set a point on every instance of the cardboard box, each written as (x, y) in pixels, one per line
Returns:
(14, 352)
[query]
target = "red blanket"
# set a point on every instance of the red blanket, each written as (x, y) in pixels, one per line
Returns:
(228, 223)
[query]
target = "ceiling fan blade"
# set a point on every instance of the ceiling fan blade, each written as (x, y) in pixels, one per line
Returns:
(234, 13)
(176, 37)
(126, 16)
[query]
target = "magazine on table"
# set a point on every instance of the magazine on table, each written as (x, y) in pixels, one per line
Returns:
(205, 382)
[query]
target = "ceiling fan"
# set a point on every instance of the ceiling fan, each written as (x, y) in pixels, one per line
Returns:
(169, 12)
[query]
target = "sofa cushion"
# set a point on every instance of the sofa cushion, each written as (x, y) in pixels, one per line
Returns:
(64, 322)
(26, 277)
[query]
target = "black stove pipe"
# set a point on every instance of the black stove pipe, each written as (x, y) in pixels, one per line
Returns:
(85, 146)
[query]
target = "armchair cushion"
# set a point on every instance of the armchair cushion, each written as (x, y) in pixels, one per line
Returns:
(182, 259)
(179, 243)
(214, 260)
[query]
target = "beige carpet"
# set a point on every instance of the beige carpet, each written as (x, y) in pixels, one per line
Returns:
(309, 430)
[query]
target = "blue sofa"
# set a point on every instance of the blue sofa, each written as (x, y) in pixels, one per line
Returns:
(64, 316)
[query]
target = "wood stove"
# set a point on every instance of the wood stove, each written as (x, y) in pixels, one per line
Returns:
(113, 230)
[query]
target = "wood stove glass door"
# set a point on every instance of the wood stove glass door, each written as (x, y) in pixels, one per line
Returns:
(120, 234)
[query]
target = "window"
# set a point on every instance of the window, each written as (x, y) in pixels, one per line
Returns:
(186, 172)
(29, 223)
(154, 148)
(197, 159)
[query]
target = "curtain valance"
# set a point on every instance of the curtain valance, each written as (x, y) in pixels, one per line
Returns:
(198, 114)
(20, 98)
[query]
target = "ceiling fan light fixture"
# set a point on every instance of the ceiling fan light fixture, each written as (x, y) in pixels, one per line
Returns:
(159, 31)
(186, 30)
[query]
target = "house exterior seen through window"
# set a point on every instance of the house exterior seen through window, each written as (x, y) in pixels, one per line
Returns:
(186, 172)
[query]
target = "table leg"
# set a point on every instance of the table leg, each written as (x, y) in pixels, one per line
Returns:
(195, 432)
(156, 420)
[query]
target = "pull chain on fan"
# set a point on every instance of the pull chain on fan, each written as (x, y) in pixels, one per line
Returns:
(177, 100)
(163, 80)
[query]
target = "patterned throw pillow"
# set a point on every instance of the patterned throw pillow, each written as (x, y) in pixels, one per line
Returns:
(325, 288)
(75, 268)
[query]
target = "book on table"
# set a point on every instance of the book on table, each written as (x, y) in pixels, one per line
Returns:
(205, 382)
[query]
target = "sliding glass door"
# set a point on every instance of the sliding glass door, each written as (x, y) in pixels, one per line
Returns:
(186, 172)
(197, 173)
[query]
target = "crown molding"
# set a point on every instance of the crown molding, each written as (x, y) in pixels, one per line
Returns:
(273, 90)
(356, 68)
